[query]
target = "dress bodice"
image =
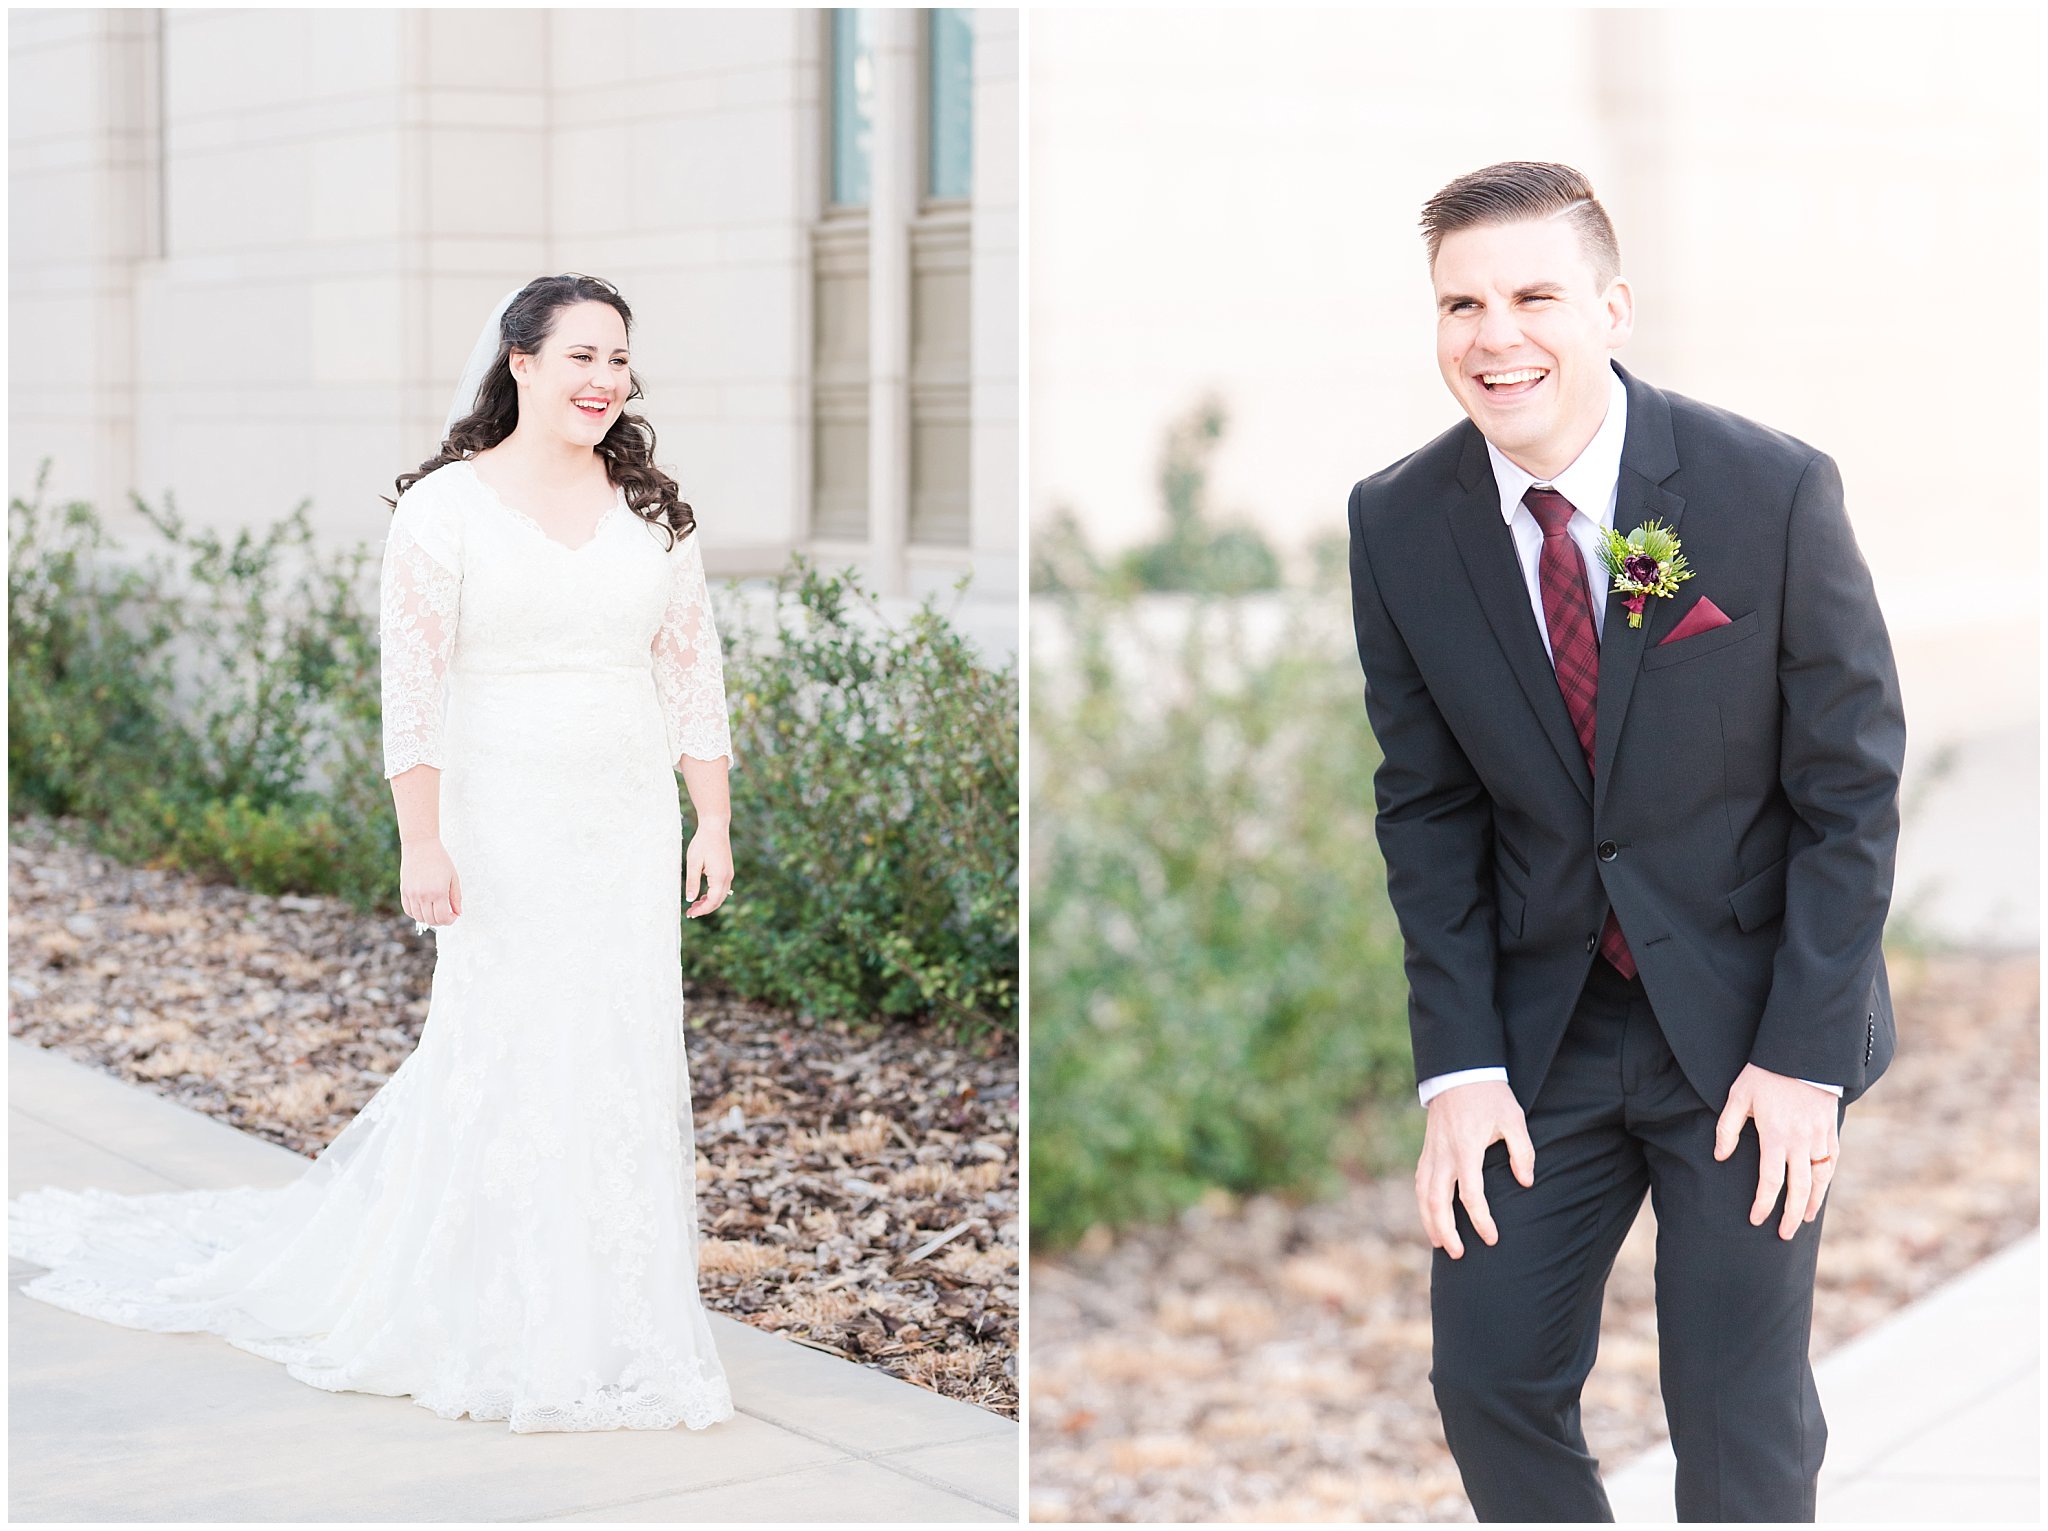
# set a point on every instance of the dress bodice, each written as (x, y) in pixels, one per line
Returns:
(472, 586)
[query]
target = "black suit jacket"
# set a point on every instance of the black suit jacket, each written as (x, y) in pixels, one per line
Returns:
(1742, 813)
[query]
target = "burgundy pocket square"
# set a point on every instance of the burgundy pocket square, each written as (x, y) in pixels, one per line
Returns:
(1704, 617)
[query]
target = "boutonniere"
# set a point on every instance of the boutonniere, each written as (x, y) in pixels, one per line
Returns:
(1644, 563)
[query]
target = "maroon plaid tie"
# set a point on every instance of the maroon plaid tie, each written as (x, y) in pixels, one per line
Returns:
(1574, 652)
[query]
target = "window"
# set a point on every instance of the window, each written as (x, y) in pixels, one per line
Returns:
(853, 106)
(949, 106)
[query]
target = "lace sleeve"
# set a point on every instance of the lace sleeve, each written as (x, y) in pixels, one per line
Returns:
(689, 671)
(419, 596)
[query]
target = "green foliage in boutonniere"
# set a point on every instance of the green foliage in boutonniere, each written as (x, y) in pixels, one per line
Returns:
(1644, 563)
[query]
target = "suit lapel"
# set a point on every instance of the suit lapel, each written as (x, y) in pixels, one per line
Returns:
(1488, 551)
(1648, 457)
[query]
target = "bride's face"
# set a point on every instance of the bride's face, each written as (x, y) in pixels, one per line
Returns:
(578, 382)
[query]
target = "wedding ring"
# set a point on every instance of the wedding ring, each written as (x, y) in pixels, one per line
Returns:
(1823, 1159)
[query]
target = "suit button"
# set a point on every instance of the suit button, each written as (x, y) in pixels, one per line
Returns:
(1593, 942)
(1608, 850)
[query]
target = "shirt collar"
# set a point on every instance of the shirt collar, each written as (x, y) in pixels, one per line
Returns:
(1589, 482)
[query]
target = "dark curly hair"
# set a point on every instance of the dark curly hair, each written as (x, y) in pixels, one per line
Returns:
(627, 448)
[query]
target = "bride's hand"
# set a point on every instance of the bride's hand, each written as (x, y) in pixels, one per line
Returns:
(428, 888)
(709, 860)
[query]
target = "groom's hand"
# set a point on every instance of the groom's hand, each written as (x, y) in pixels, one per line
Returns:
(1463, 1121)
(1796, 1128)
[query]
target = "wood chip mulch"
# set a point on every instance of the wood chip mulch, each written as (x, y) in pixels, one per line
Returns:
(857, 1192)
(1264, 1361)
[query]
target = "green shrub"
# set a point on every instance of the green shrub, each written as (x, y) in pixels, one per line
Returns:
(88, 667)
(212, 708)
(874, 814)
(216, 709)
(1216, 984)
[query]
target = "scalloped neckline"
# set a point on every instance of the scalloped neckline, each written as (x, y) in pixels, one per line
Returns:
(618, 496)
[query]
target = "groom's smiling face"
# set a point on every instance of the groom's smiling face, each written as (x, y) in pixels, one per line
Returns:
(1524, 328)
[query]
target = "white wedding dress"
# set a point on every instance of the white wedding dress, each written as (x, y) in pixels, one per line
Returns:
(508, 1228)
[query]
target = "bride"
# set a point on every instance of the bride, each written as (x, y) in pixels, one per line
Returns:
(508, 1228)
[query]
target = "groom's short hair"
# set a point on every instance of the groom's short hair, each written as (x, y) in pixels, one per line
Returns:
(1517, 191)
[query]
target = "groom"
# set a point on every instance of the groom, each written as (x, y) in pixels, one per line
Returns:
(1641, 871)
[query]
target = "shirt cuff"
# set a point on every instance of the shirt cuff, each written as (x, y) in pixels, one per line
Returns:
(1436, 1084)
(1832, 1089)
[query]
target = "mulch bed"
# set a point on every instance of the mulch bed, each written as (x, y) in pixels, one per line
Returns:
(857, 1190)
(1266, 1361)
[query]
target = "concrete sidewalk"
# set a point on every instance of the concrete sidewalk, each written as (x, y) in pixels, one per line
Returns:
(1933, 1416)
(116, 1424)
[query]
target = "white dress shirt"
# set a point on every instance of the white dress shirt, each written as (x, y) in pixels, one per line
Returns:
(1590, 484)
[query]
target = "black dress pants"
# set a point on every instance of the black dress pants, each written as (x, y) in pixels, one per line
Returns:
(1517, 1325)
